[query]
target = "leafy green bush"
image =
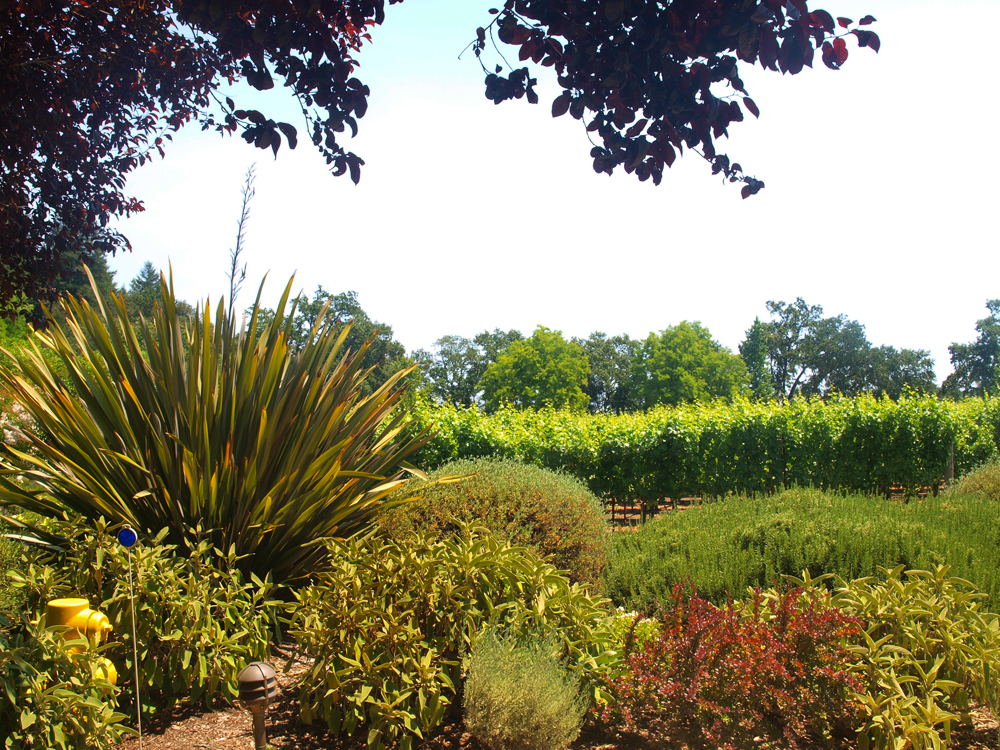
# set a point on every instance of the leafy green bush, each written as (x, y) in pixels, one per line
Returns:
(197, 619)
(771, 672)
(983, 480)
(389, 624)
(180, 422)
(519, 696)
(928, 652)
(54, 694)
(632, 631)
(551, 513)
(12, 599)
(727, 547)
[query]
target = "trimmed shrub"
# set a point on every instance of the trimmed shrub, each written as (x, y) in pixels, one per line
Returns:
(984, 481)
(519, 696)
(53, 693)
(927, 653)
(198, 620)
(389, 625)
(727, 547)
(771, 672)
(553, 514)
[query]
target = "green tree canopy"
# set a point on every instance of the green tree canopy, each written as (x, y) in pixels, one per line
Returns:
(540, 371)
(609, 384)
(493, 344)
(790, 345)
(684, 363)
(384, 356)
(74, 281)
(838, 356)
(812, 355)
(894, 371)
(453, 372)
(753, 352)
(977, 364)
(143, 294)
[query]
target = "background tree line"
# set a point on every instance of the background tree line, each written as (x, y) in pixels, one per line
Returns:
(798, 353)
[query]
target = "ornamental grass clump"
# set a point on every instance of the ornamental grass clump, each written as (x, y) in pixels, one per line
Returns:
(179, 423)
(519, 695)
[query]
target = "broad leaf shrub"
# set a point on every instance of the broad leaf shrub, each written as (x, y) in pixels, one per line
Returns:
(51, 697)
(389, 624)
(631, 630)
(198, 621)
(177, 422)
(770, 672)
(852, 444)
(551, 513)
(12, 600)
(927, 652)
(724, 548)
(519, 695)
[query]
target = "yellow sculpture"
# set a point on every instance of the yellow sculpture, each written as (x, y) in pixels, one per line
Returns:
(87, 623)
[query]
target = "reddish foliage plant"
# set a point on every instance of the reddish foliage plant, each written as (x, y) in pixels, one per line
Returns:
(768, 673)
(650, 79)
(91, 90)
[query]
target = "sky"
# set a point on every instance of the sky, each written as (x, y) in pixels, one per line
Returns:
(881, 203)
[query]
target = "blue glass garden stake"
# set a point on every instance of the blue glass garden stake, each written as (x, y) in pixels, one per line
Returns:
(127, 539)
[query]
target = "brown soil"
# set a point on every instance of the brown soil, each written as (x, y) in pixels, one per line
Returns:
(628, 515)
(186, 727)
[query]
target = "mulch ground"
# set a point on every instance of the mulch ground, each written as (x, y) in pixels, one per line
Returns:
(187, 727)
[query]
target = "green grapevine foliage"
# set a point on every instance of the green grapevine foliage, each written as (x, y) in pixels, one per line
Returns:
(850, 444)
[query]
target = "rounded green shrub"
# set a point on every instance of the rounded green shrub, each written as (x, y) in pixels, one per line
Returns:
(553, 514)
(724, 548)
(984, 481)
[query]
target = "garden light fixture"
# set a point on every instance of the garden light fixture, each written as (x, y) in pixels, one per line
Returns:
(257, 686)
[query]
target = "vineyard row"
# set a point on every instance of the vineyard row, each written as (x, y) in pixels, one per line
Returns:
(851, 444)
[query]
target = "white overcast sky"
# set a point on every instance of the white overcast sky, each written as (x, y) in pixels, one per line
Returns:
(881, 202)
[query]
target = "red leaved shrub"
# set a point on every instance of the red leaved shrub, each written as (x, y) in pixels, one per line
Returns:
(771, 672)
